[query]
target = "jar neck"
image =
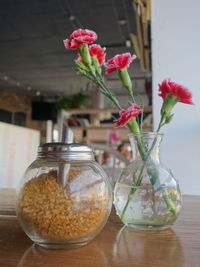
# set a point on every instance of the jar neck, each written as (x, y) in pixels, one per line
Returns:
(146, 145)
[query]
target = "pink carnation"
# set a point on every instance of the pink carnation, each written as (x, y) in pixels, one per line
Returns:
(126, 114)
(98, 52)
(119, 62)
(171, 88)
(79, 37)
(95, 51)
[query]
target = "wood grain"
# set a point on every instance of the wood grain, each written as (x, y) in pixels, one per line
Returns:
(116, 245)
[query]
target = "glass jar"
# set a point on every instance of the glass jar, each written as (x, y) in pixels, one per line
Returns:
(64, 198)
(147, 196)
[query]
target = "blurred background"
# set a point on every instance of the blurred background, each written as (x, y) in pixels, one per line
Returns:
(40, 90)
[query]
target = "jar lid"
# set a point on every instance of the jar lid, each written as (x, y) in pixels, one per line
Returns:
(73, 151)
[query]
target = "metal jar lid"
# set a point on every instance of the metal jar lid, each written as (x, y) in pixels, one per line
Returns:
(73, 151)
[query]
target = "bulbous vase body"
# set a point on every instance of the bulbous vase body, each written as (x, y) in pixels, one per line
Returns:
(147, 196)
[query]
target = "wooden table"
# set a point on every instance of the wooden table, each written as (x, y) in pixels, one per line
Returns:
(114, 246)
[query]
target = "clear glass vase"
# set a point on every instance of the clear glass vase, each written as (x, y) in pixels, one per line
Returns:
(147, 196)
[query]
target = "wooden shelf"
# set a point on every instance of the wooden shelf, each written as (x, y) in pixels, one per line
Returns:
(100, 134)
(104, 127)
(96, 111)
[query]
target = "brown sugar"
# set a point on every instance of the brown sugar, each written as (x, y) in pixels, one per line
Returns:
(56, 213)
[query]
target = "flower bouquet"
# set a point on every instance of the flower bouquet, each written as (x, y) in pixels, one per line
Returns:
(146, 196)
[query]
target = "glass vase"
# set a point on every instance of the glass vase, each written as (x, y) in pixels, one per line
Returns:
(147, 196)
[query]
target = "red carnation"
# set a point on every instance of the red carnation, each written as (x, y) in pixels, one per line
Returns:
(171, 88)
(79, 37)
(126, 114)
(119, 62)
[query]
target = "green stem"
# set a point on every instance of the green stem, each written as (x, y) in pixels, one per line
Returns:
(139, 180)
(89, 72)
(132, 96)
(160, 124)
(108, 93)
(169, 202)
(97, 79)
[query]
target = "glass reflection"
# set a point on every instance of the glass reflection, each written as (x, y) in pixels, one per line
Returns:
(37, 256)
(141, 247)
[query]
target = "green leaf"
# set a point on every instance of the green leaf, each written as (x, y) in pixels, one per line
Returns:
(74, 101)
(79, 100)
(63, 103)
(169, 118)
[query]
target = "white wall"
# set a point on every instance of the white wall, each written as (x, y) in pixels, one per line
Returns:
(176, 55)
(18, 148)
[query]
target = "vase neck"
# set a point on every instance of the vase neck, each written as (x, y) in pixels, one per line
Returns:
(146, 145)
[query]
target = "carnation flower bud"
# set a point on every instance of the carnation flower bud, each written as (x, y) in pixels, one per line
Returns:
(168, 105)
(85, 54)
(80, 64)
(125, 79)
(96, 65)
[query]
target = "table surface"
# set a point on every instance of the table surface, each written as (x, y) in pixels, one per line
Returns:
(116, 245)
